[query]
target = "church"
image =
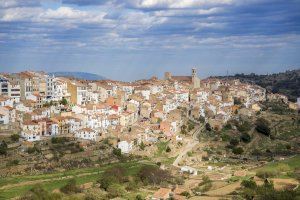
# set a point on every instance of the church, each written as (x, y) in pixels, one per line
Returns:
(193, 80)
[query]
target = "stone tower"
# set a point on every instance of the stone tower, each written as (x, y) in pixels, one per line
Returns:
(168, 76)
(195, 79)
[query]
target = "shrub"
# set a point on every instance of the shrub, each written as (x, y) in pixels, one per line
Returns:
(186, 194)
(13, 163)
(142, 146)
(115, 190)
(15, 137)
(191, 127)
(262, 126)
(237, 150)
(111, 176)
(225, 137)
(234, 142)
(59, 140)
(70, 187)
(245, 137)
(266, 173)
(31, 150)
(139, 197)
(205, 180)
(208, 127)
(244, 127)
(37, 192)
(3, 148)
(64, 101)
(168, 149)
(249, 184)
(237, 101)
(201, 119)
(117, 152)
(153, 175)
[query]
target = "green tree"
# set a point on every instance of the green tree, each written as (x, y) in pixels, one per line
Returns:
(262, 126)
(64, 101)
(168, 149)
(237, 150)
(3, 148)
(142, 146)
(153, 175)
(245, 137)
(117, 152)
(208, 127)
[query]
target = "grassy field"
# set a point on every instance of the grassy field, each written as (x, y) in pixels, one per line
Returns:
(282, 169)
(161, 148)
(18, 185)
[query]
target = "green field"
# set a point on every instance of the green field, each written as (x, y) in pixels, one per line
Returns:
(18, 185)
(284, 169)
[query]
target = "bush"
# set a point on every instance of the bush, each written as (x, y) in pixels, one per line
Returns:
(115, 190)
(225, 137)
(201, 119)
(186, 194)
(3, 148)
(15, 137)
(32, 150)
(244, 127)
(139, 197)
(111, 176)
(37, 193)
(64, 101)
(208, 127)
(266, 173)
(234, 142)
(249, 184)
(238, 150)
(153, 175)
(262, 126)
(13, 163)
(191, 127)
(245, 137)
(117, 152)
(70, 187)
(237, 101)
(59, 140)
(142, 146)
(168, 149)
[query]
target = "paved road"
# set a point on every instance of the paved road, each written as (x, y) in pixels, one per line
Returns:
(188, 147)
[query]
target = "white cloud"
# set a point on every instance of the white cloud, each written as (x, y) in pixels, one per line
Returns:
(206, 25)
(64, 13)
(19, 14)
(188, 12)
(18, 3)
(175, 4)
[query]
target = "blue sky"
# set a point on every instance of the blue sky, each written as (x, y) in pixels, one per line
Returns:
(135, 39)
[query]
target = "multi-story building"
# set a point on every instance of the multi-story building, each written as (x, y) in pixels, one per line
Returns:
(78, 92)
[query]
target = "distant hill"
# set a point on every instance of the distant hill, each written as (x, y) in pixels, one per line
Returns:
(287, 83)
(80, 75)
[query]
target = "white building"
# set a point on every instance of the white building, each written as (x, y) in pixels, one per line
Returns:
(125, 146)
(31, 131)
(87, 134)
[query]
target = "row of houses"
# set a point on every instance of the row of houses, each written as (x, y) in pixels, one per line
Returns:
(134, 112)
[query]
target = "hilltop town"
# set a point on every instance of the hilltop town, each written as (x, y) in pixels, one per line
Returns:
(217, 128)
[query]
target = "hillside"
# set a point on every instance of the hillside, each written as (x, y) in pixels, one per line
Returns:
(287, 83)
(80, 75)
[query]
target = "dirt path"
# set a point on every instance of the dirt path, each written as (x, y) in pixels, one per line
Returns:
(187, 148)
